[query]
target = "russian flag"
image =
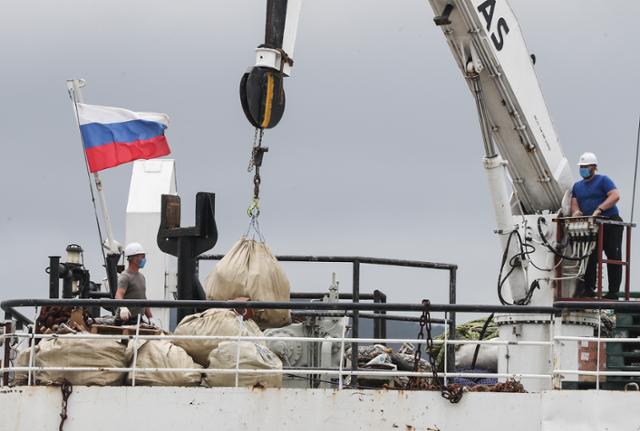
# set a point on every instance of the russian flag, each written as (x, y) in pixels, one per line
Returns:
(113, 136)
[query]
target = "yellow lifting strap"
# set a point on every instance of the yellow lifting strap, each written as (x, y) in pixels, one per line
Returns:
(268, 102)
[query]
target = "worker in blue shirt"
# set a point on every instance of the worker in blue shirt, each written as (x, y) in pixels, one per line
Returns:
(596, 195)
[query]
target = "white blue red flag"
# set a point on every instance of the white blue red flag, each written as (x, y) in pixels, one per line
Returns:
(113, 136)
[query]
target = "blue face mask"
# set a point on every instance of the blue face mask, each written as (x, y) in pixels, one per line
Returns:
(585, 172)
(142, 262)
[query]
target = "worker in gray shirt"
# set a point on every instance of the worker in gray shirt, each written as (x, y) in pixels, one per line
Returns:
(132, 284)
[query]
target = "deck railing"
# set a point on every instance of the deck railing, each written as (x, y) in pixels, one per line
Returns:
(554, 343)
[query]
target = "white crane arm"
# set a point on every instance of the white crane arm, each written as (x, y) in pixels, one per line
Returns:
(486, 41)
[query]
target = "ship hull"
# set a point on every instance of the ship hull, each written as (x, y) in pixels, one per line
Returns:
(163, 408)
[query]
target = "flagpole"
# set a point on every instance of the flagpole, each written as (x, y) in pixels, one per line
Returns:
(113, 248)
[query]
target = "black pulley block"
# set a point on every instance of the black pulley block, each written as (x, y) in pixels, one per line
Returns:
(262, 97)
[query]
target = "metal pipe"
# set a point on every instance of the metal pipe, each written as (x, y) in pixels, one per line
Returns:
(374, 315)
(8, 305)
(627, 271)
(451, 351)
(54, 276)
(485, 127)
(350, 259)
(67, 288)
(112, 272)
(377, 321)
(355, 321)
(320, 295)
(7, 352)
(599, 255)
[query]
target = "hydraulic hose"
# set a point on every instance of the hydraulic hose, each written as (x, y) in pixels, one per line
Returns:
(550, 247)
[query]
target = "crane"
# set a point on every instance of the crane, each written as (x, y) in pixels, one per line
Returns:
(528, 174)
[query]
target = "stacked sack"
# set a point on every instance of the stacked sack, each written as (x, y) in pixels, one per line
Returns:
(68, 352)
(250, 270)
(222, 354)
(164, 354)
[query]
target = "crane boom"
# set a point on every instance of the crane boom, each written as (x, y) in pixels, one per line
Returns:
(486, 41)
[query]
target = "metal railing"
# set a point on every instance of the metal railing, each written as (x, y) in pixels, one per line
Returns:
(554, 343)
(356, 295)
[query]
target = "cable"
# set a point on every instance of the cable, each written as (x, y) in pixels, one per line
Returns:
(482, 334)
(513, 263)
(553, 250)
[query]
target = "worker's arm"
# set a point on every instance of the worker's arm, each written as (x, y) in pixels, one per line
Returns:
(123, 312)
(148, 313)
(612, 198)
(575, 208)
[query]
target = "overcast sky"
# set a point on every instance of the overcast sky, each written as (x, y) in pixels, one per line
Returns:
(379, 153)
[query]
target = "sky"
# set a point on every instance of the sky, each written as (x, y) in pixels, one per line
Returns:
(379, 152)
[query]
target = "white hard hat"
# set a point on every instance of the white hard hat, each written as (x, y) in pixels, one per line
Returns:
(588, 159)
(133, 248)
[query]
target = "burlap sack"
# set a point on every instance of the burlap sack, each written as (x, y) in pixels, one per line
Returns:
(58, 352)
(253, 356)
(211, 322)
(164, 354)
(250, 269)
(22, 360)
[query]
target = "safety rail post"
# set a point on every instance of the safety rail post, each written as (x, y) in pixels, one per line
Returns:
(445, 346)
(345, 320)
(7, 349)
(555, 330)
(380, 321)
(32, 354)
(598, 351)
(451, 353)
(135, 351)
(355, 322)
(237, 377)
(627, 271)
(600, 247)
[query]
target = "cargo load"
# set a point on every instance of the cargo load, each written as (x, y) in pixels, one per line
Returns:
(251, 356)
(222, 322)
(22, 360)
(164, 354)
(69, 352)
(250, 269)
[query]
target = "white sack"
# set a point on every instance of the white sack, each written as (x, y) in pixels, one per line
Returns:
(22, 360)
(164, 354)
(212, 322)
(250, 269)
(253, 356)
(58, 352)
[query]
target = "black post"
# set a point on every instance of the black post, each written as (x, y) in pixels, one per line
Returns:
(67, 291)
(355, 322)
(377, 320)
(7, 349)
(383, 329)
(54, 277)
(186, 243)
(451, 350)
(112, 272)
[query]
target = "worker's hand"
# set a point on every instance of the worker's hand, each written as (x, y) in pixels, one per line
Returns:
(597, 212)
(148, 313)
(577, 213)
(124, 313)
